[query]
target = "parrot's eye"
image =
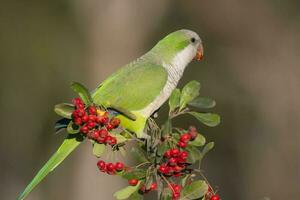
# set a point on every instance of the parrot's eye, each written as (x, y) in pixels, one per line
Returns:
(193, 40)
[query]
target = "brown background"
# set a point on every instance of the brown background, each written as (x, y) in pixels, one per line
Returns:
(251, 68)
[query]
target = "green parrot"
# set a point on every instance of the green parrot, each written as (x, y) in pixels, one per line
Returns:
(140, 87)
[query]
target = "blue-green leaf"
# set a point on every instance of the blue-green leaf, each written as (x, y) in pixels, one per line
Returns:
(209, 119)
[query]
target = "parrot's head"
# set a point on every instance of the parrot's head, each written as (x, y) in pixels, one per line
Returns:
(180, 47)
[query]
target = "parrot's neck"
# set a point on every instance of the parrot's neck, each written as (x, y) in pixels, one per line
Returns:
(175, 69)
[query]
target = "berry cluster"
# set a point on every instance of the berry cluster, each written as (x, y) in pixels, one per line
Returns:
(176, 189)
(144, 190)
(94, 123)
(186, 137)
(110, 168)
(175, 162)
(210, 195)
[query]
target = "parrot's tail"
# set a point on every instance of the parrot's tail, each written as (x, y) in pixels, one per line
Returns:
(69, 144)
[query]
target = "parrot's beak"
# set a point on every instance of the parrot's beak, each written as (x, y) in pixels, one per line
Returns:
(199, 54)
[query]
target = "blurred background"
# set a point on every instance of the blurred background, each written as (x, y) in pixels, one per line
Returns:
(251, 68)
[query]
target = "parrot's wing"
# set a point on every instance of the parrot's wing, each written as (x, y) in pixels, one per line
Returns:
(69, 144)
(133, 87)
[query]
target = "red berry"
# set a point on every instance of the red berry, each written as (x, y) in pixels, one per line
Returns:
(177, 188)
(80, 112)
(77, 121)
(103, 120)
(142, 189)
(91, 124)
(113, 141)
(96, 134)
(110, 167)
(84, 129)
(174, 152)
(177, 174)
(119, 166)
(215, 197)
(85, 118)
(103, 133)
(101, 140)
(183, 154)
(153, 186)
(92, 110)
(182, 144)
(185, 137)
(115, 122)
(109, 127)
(193, 135)
(177, 168)
(80, 106)
(181, 160)
(167, 154)
(92, 118)
(172, 161)
(77, 101)
(163, 169)
(133, 182)
(192, 129)
(176, 195)
(101, 165)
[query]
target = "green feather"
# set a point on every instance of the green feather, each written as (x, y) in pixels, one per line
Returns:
(63, 151)
(133, 87)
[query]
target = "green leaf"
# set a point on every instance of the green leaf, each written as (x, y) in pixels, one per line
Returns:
(209, 146)
(82, 92)
(199, 141)
(209, 119)
(98, 149)
(72, 128)
(136, 196)
(189, 92)
(120, 138)
(69, 144)
(135, 174)
(138, 154)
(126, 192)
(194, 154)
(174, 99)
(64, 110)
(195, 190)
(203, 102)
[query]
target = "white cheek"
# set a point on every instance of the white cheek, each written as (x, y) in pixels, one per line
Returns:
(183, 58)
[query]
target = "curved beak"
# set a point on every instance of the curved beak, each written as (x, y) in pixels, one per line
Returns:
(199, 54)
